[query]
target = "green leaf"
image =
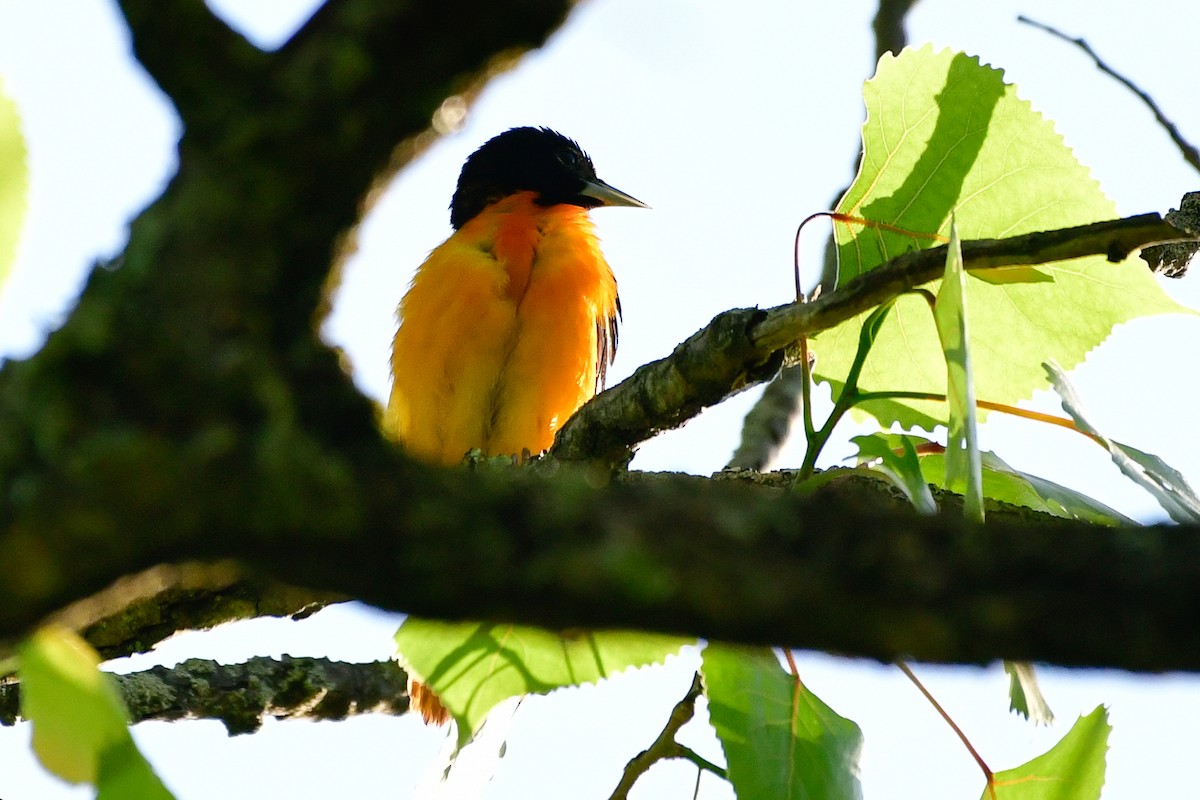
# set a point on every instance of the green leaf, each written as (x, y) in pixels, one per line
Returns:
(80, 727)
(1072, 770)
(779, 739)
(898, 462)
(945, 135)
(75, 708)
(14, 183)
(963, 467)
(1002, 482)
(1167, 484)
(125, 774)
(473, 666)
(1024, 694)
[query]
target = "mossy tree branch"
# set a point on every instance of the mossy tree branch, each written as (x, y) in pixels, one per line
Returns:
(186, 411)
(242, 695)
(195, 351)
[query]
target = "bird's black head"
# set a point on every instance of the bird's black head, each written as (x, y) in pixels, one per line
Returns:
(531, 160)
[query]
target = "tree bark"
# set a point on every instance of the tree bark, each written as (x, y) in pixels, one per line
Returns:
(187, 411)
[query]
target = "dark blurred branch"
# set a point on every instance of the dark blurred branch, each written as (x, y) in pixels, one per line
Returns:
(300, 486)
(890, 36)
(766, 426)
(139, 611)
(189, 52)
(1186, 148)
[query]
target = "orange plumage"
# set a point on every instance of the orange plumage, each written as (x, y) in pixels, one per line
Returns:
(510, 324)
(503, 333)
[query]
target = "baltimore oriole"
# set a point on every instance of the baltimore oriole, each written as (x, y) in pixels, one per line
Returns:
(510, 324)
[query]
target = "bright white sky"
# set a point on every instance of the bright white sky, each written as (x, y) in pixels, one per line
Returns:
(733, 121)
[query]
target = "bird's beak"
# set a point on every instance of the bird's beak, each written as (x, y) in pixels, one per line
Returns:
(608, 195)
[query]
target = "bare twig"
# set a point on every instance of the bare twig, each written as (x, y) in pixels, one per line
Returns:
(665, 746)
(1186, 148)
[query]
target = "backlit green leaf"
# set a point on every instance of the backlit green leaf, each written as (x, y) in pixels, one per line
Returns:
(1024, 695)
(472, 667)
(946, 135)
(1072, 770)
(1002, 482)
(894, 456)
(75, 708)
(14, 182)
(125, 775)
(963, 470)
(80, 728)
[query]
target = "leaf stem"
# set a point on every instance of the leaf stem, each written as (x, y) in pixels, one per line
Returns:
(806, 365)
(987, 771)
(700, 761)
(791, 660)
(849, 394)
(1036, 416)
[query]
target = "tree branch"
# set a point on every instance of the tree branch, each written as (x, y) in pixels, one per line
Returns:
(187, 411)
(711, 365)
(242, 695)
(1114, 239)
(841, 570)
(1172, 259)
(1189, 152)
(310, 493)
(139, 611)
(890, 36)
(665, 747)
(740, 348)
(766, 426)
(188, 51)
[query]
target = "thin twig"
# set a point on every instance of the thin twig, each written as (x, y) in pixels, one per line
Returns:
(1186, 148)
(665, 746)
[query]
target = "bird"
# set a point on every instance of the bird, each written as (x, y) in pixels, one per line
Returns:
(511, 324)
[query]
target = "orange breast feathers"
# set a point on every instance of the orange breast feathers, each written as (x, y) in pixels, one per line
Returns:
(504, 333)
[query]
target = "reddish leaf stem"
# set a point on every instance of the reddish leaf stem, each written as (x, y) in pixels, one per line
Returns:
(1036, 416)
(987, 771)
